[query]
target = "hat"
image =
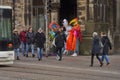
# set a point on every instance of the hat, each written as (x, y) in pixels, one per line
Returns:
(74, 21)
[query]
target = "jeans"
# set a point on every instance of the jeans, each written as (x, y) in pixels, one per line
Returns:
(28, 46)
(77, 50)
(105, 57)
(17, 51)
(23, 44)
(39, 53)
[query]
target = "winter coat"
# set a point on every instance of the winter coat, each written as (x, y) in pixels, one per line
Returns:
(60, 39)
(30, 37)
(16, 41)
(106, 44)
(95, 45)
(22, 36)
(40, 39)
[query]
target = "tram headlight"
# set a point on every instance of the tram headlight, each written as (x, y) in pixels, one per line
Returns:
(10, 45)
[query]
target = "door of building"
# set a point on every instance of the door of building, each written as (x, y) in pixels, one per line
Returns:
(68, 9)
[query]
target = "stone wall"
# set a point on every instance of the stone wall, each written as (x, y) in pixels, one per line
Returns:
(81, 12)
(117, 33)
(18, 12)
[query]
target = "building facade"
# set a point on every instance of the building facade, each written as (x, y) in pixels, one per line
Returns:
(117, 27)
(94, 15)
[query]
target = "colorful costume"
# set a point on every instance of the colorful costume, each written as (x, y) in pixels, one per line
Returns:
(53, 29)
(54, 26)
(74, 35)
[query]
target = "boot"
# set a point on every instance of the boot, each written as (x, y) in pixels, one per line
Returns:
(18, 58)
(108, 63)
(39, 59)
(33, 55)
(23, 54)
(91, 65)
(101, 64)
(26, 55)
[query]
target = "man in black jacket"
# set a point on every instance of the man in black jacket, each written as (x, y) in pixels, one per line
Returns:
(40, 40)
(59, 42)
(30, 41)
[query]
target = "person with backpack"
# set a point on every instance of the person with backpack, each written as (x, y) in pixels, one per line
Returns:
(95, 49)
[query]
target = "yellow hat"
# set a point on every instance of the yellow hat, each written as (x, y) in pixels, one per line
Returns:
(74, 21)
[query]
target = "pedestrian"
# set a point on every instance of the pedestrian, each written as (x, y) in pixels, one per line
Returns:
(23, 40)
(74, 37)
(66, 28)
(59, 43)
(40, 40)
(30, 41)
(106, 46)
(95, 49)
(16, 43)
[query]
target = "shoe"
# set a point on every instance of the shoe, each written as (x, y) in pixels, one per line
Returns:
(39, 59)
(33, 55)
(101, 64)
(26, 55)
(91, 65)
(57, 57)
(108, 63)
(18, 58)
(23, 54)
(74, 54)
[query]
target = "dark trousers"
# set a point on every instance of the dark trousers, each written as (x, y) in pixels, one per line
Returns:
(59, 52)
(92, 58)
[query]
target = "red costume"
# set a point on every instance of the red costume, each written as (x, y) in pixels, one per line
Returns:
(74, 34)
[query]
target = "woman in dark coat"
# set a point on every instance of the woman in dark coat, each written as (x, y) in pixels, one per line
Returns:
(106, 46)
(95, 49)
(16, 42)
(39, 40)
